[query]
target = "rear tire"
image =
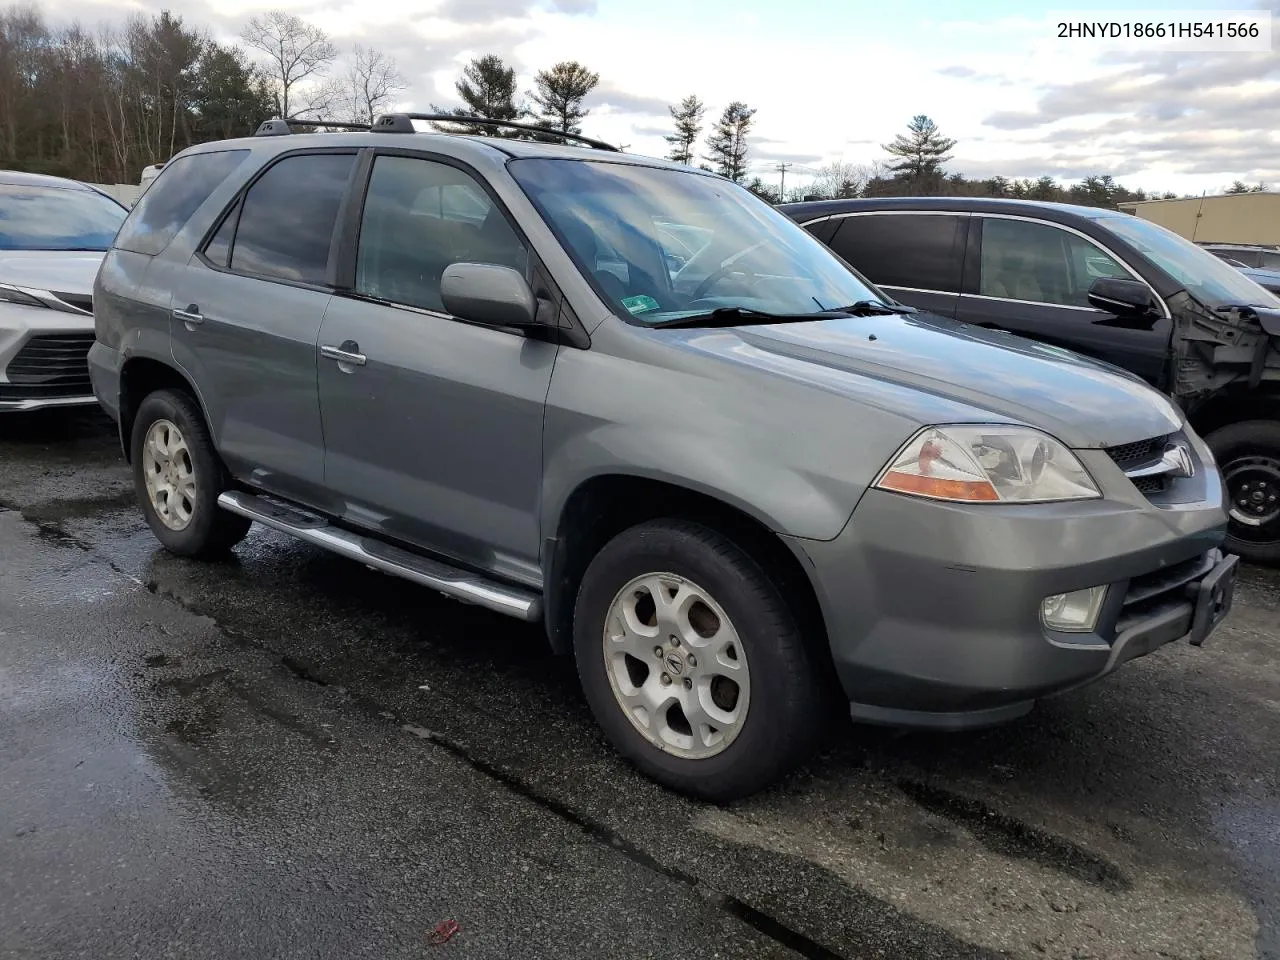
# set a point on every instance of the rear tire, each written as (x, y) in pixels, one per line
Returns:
(178, 476)
(1248, 455)
(734, 700)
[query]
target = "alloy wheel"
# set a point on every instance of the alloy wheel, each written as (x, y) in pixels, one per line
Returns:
(169, 474)
(676, 665)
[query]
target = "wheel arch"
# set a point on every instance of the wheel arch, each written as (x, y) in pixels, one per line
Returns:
(602, 506)
(141, 376)
(1235, 404)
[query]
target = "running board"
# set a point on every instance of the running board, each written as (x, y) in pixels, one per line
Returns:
(451, 581)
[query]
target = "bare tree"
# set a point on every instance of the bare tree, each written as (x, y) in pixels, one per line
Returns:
(297, 51)
(100, 106)
(841, 180)
(370, 85)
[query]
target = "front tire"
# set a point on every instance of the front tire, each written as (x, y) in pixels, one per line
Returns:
(178, 476)
(692, 662)
(1248, 455)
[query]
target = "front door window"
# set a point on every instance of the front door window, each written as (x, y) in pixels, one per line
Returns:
(1041, 263)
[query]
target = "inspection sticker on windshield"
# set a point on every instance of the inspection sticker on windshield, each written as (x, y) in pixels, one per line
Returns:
(640, 304)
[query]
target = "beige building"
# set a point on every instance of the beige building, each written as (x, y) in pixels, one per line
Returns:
(1227, 218)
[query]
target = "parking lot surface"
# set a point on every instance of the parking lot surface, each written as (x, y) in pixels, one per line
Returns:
(288, 755)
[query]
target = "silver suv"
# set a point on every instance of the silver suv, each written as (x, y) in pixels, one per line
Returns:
(630, 401)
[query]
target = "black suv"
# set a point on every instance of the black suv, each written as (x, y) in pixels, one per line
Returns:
(1101, 283)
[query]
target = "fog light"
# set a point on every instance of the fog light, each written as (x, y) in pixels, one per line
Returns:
(1075, 612)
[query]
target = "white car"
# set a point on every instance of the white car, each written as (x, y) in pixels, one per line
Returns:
(53, 234)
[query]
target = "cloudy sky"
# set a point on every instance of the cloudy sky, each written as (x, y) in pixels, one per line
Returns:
(835, 79)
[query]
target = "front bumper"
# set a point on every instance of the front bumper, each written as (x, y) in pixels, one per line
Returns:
(47, 403)
(44, 359)
(933, 609)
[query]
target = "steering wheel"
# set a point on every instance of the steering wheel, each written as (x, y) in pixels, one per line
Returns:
(711, 279)
(716, 275)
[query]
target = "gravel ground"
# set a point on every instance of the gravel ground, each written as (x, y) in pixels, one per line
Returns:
(287, 755)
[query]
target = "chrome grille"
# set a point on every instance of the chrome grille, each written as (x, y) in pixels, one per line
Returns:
(1142, 463)
(48, 366)
(1151, 485)
(81, 301)
(1137, 454)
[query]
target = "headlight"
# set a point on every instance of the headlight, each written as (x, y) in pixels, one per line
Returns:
(14, 295)
(976, 463)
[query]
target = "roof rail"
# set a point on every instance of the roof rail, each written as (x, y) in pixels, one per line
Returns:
(402, 123)
(279, 127)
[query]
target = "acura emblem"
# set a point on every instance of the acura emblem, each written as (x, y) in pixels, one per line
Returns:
(1177, 457)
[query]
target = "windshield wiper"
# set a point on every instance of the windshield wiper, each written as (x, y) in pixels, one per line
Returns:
(874, 308)
(739, 316)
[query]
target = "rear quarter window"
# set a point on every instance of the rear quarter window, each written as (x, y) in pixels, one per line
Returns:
(177, 193)
(921, 251)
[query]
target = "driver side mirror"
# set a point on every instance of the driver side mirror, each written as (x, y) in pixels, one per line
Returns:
(1123, 297)
(489, 294)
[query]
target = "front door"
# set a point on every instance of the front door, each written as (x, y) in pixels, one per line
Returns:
(246, 318)
(1033, 279)
(432, 425)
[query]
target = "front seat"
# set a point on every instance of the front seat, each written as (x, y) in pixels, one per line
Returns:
(1015, 279)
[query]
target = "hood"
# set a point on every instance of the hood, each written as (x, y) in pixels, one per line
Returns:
(933, 370)
(56, 271)
(1263, 278)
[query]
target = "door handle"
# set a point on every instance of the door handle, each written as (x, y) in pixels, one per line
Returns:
(190, 316)
(347, 354)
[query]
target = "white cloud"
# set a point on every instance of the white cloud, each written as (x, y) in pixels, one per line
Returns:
(1019, 101)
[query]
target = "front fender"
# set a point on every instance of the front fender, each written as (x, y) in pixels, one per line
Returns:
(783, 499)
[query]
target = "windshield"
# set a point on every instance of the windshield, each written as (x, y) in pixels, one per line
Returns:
(55, 218)
(1207, 278)
(665, 244)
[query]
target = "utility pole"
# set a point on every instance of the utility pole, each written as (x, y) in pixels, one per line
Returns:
(783, 167)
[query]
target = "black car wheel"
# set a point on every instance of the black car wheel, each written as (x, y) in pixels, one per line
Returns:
(1248, 455)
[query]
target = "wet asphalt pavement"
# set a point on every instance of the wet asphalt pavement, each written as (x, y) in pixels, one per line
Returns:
(287, 755)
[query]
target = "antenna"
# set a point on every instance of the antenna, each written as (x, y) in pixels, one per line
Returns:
(1199, 214)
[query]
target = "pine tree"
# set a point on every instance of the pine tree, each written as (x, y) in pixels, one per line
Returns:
(560, 92)
(1044, 189)
(488, 88)
(921, 151)
(728, 141)
(688, 120)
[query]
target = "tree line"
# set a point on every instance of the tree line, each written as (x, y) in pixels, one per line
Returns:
(101, 105)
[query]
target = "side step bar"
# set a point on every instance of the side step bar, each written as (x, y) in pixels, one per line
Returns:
(451, 581)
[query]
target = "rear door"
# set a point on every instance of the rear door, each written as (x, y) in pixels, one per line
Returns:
(917, 258)
(1033, 277)
(135, 282)
(247, 312)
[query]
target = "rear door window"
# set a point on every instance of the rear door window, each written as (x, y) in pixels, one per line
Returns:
(287, 218)
(183, 185)
(918, 251)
